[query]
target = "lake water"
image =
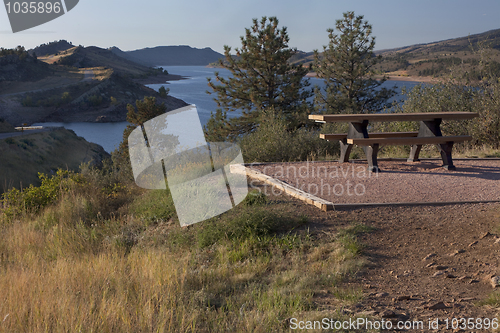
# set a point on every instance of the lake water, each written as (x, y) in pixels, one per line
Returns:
(192, 91)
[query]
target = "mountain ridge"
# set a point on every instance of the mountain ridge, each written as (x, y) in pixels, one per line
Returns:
(171, 55)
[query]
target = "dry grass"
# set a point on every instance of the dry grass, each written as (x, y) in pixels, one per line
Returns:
(72, 269)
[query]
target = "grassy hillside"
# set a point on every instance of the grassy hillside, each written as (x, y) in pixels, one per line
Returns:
(18, 65)
(51, 48)
(23, 157)
(439, 59)
(5, 126)
(82, 84)
(88, 57)
(432, 60)
(104, 256)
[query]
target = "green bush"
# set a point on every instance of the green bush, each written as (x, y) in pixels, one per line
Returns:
(272, 141)
(163, 92)
(28, 142)
(65, 98)
(33, 199)
(451, 97)
(94, 100)
(27, 101)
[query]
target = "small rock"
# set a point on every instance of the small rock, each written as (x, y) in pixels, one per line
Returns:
(465, 277)
(486, 234)
(457, 252)
(431, 264)
(401, 298)
(438, 273)
(451, 276)
(497, 241)
(438, 306)
(495, 281)
(441, 267)
(430, 255)
(473, 243)
(379, 295)
(370, 313)
(466, 299)
(473, 281)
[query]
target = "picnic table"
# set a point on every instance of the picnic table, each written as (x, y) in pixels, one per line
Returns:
(429, 133)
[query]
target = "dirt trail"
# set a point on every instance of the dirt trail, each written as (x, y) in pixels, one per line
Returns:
(423, 263)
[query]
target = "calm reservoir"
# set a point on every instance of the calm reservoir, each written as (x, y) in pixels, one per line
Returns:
(192, 91)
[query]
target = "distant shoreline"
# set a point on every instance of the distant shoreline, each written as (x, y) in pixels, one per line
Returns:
(161, 78)
(420, 79)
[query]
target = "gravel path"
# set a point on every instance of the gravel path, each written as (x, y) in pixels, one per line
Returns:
(399, 181)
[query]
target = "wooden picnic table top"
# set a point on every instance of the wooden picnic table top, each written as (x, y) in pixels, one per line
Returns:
(423, 116)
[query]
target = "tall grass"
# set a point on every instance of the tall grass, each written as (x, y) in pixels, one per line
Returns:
(76, 264)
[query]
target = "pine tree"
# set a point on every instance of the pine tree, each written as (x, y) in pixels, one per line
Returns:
(136, 116)
(346, 66)
(261, 78)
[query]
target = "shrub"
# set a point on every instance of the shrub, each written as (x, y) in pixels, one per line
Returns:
(32, 199)
(273, 142)
(94, 100)
(27, 101)
(65, 97)
(163, 92)
(444, 97)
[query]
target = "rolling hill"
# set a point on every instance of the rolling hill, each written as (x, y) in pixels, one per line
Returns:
(461, 44)
(439, 59)
(92, 56)
(19, 65)
(51, 48)
(84, 84)
(181, 55)
(432, 60)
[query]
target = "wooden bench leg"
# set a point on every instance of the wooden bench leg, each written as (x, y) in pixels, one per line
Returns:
(445, 150)
(371, 156)
(414, 152)
(345, 151)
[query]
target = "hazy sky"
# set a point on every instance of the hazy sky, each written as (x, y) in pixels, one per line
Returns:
(131, 25)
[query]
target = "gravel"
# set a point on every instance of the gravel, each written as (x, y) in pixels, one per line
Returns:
(398, 182)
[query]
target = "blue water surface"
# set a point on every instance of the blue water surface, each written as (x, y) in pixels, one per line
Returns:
(192, 90)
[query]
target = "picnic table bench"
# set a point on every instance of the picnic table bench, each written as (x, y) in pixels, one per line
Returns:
(429, 133)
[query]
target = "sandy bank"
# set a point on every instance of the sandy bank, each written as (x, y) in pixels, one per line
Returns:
(421, 79)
